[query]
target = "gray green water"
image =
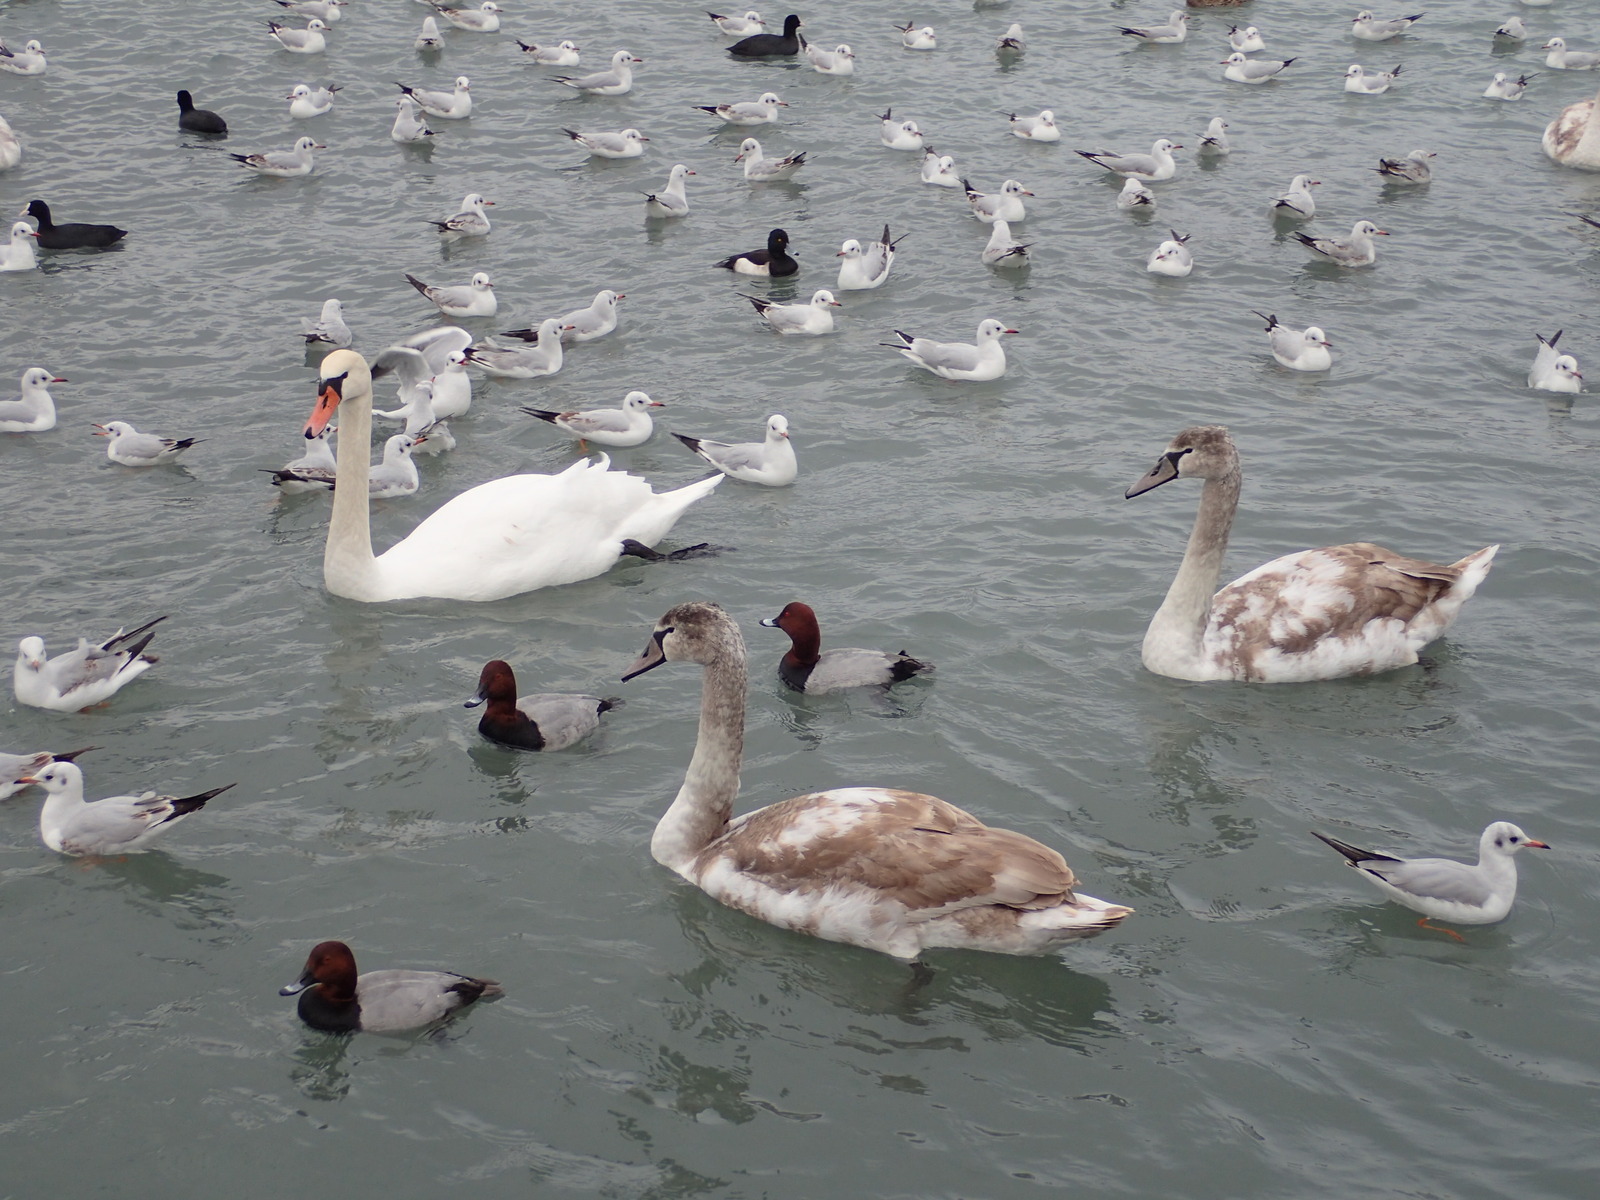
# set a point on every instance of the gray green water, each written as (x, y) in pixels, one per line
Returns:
(1262, 1027)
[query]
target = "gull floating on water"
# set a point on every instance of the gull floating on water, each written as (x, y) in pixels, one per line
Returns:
(1358, 250)
(562, 54)
(10, 148)
(1003, 249)
(16, 767)
(626, 143)
(116, 825)
(283, 164)
(19, 253)
(1553, 371)
(475, 298)
(430, 38)
(313, 471)
(78, 679)
(30, 60)
(1299, 350)
(1512, 30)
(1413, 168)
(1443, 889)
(408, 123)
(770, 462)
(593, 320)
(329, 328)
(1359, 80)
(759, 169)
(958, 360)
(471, 221)
(1298, 200)
(811, 319)
(1035, 129)
(939, 169)
(1134, 195)
(761, 111)
(629, 425)
(1502, 87)
(433, 357)
(866, 267)
(913, 38)
(1011, 43)
(306, 101)
(739, 27)
(1373, 29)
(300, 41)
(841, 60)
(35, 412)
(1245, 41)
(326, 11)
(1004, 205)
(454, 105)
(672, 200)
(1174, 31)
(1253, 70)
(899, 135)
(126, 445)
(615, 82)
(1215, 139)
(1172, 257)
(483, 19)
(1153, 167)
(523, 362)
(1562, 59)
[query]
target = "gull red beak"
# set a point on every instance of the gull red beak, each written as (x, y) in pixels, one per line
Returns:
(1529, 842)
(101, 431)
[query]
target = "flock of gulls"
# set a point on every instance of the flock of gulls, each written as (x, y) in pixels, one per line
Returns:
(879, 867)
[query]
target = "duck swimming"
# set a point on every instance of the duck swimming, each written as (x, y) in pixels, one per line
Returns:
(550, 721)
(335, 999)
(806, 667)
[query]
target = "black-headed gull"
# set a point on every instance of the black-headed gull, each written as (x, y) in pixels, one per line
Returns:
(198, 120)
(1004, 205)
(433, 357)
(328, 328)
(899, 135)
(307, 101)
(914, 38)
(760, 169)
(16, 767)
(841, 60)
(326, 11)
(1357, 250)
(10, 148)
(126, 445)
(68, 824)
(283, 164)
(672, 200)
(614, 82)
(866, 266)
(1553, 371)
(523, 362)
(471, 221)
(1134, 196)
(593, 320)
(629, 425)
(1297, 201)
(810, 319)
(430, 38)
(1512, 29)
(739, 27)
(1377, 29)
(1041, 128)
(1011, 43)
(770, 462)
(1360, 81)
(958, 360)
(1240, 69)
(1215, 139)
(1503, 87)
(1172, 257)
(1003, 249)
(769, 45)
(35, 412)
(939, 169)
(1153, 167)
(1443, 889)
(408, 124)
(625, 143)
(1562, 59)
(562, 54)
(30, 60)
(454, 105)
(19, 254)
(775, 260)
(483, 19)
(761, 111)
(78, 679)
(393, 476)
(1247, 40)
(475, 298)
(300, 41)
(1171, 33)
(313, 471)
(1297, 349)
(1413, 168)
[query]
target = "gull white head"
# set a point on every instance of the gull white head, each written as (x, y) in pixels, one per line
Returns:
(480, 281)
(30, 653)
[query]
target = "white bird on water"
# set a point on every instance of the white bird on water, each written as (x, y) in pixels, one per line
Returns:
(300, 41)
(1245, 41)
(329, 328)
(1134, 195)
(760, 169)
(1359, 80)
(306, 101)
(1004, 205)
(976, 363)
(1011, 44)
(475, 298)
(19, 254)
(1174, 31)
(126, 445)
(1153, 167)
(1003, 249)
(1253, 70)
(1297, 201)
(81, 678)
(562, 54)
(1172, 257)
(629, 425)
(483, 19)
(1512, 29)
(899, 135)
(770, 462)
(761, 111)
(745, 26)
(454, 105)
(10, 148)
(430, 38)
(30, 60)
(627, 143)
(1357, 250)
(35, 411)
(939, 169)
(116, 825)
(1413, 168)
(616, 81)
(913, 38)
(471, 221)
(811, 319)
(841, 60)
(1299, 350)
(282, 164)
(408, 123)
(1215, 139)
(1562, 59)
(866, 267)
(1503, 87)
(1374, 29)
(523, 362)
(1553, 371)
(672, 200)
(1041, 128)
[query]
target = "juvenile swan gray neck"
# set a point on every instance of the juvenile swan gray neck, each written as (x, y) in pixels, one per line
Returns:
(1183, 614)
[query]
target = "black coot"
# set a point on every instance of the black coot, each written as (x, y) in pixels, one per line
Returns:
(198, 120)
(71, 237)
(764, 45)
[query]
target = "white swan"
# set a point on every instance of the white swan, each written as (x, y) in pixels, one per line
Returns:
(1573, 138)
(501, 538)
(886, 869)
(1316, 614)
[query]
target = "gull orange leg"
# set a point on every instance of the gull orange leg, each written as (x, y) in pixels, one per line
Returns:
(1440, 929)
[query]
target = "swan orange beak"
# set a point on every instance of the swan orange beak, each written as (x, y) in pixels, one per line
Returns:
(329, 393)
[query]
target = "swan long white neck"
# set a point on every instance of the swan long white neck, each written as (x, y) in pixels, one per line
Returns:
(348, 567)
(704, 803)
(1177, 629)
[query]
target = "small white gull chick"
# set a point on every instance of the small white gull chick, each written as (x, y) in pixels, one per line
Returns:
(913, 38)
(615, 82)
(1298, 200)
(770, 462)
(1153, 167)
(282, 164)
(329, 328)
(939, 169)
(522, 362)
(1359, 80)
(1174, 31)
(899, 135)
(1004, 205)
(471, 221)
(739, 27)
(68, 824)
(1562, 59)
(1041, 128)
(126, 445)
(306, 101)
(629, 425)
(30, 60)
(408, 123)
(475, 298)
(35, 412)
(1512, 29)
(562, 54)
(1252, 70)
(672, 200)
(958, 360)
(1299, 350)
(1413, 168)
(300, 41)
(866, 267)
(483, 19)
(1011, 43)
(1134, 195)
(1245, 41)
(454, 105)
(760, 169)
(430, 38)
(1215, 139)
(1443, 889)
(1003, 249)
(841, 60)
(627, 143)
(78, 679)
(761, 111)
(20, 254)
(811, 319)
(1373, 29)
(1358, 250)
(1172, 257)
(1502, 87)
